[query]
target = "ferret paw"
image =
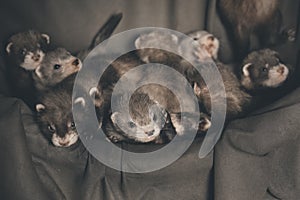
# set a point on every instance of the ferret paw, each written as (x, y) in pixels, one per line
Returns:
(204, 124)
(114, 138)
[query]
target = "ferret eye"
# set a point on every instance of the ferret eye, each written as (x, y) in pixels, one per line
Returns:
(57, 66)
(23, 52)
(195, 38)
(264, 69)
(131, 124)
(51, 128)
(73, 126)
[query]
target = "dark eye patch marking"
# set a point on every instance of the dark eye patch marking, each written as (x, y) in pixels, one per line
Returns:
(51, 128)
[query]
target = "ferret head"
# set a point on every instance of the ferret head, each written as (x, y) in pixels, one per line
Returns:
(263, 69)
(27, 49)
(56, 120)
(203, 46)
(150, 46)
(140, 130)
(56, 66)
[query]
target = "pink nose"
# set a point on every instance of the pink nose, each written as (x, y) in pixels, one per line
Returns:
(150, 133)
(36, 57)
(280, 70)
(64, 143)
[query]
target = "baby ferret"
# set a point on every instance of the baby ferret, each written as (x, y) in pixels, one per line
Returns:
(55, 67)
(24, 53)
(27, 49)
(263, 69)
(144, 123)
(54, 114)
(244, 18)
(148, 119)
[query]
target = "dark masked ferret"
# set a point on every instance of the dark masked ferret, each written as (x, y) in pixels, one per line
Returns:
(262, 70)
(244, 18)
(27, 49)
(56, 66)
(54, 114)
(24, 53)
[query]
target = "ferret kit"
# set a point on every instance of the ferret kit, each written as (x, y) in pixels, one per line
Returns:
(43, 76)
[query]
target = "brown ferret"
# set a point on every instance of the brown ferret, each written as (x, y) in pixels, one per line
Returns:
(244, 18)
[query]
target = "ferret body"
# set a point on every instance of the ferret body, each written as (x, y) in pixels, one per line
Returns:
(200, 44)
(24, 53)
(54, 114)
(237, 99)
(261, 71)
(203, 40)
(244, 18)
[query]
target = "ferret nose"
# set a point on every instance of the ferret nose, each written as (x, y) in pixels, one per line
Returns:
(150, 133)
(280, 70)
(76, 62)
(36, 57)
(64, 143)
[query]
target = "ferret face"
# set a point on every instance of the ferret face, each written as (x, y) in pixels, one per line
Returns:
(56, 66)
(204, 45)
(57, 125)
(27, 49)
(140, 131)
(263, 69)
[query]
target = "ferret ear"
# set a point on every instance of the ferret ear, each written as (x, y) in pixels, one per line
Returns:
(114, 117)
(94, 92)
(80, 100)
(174, 38)
(197, 89)
(40, 108)
(8, 47)
(137, 42)
(246, 69)
(46, 37)
(96, 95)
